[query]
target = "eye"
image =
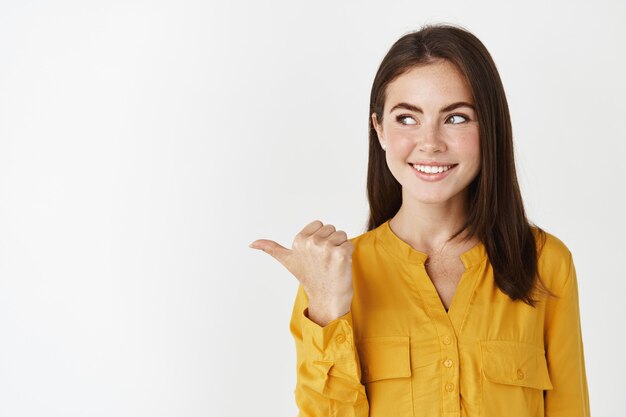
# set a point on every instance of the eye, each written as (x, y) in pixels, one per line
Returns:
(402, 117)
(459, 115)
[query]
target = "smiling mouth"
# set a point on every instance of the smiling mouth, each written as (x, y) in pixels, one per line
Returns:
(432, 169)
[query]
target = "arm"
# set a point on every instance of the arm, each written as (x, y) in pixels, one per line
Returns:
(328, 371)
(564, 352)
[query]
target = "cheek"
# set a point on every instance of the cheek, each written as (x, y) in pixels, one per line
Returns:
(469, 146)
(400, 144)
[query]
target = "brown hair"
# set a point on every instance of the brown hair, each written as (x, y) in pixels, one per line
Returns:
(496, 212)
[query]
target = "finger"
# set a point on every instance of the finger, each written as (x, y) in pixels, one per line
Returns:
(338, 237)
(349, 247)
(325, 231)
(310, 228)
(277, 251)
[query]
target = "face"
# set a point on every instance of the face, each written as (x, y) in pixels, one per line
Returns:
(431, 142)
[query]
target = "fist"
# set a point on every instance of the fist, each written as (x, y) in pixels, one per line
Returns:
(321, 260)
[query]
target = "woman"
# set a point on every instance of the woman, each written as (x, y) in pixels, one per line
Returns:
(452, 303)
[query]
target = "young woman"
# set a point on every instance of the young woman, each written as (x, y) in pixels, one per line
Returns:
(452, 303)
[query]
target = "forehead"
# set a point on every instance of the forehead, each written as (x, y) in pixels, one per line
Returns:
(430, 84)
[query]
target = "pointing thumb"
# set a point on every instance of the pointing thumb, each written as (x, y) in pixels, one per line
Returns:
(272, 248)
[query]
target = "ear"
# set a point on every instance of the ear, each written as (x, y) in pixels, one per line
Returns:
(379, 130)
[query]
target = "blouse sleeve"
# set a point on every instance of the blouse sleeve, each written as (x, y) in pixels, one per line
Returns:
(564, 352)
(328, 371)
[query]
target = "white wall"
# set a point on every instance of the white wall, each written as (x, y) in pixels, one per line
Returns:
(143, 145)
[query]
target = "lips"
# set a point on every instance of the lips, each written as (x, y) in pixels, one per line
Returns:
(432, 173)
(432, 168)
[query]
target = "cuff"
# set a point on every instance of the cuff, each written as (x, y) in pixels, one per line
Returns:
(331, 342)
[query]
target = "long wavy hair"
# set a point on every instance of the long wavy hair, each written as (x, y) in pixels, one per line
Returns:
(496, 211)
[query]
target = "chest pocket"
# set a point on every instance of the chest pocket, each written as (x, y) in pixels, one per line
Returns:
(515, 375)
(386, 374)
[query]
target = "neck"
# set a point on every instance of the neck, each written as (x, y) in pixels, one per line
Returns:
(427, 226)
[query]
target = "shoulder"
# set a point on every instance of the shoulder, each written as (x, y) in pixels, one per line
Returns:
(365, 239)
(555, 261)
(367, 244)
(549, 246)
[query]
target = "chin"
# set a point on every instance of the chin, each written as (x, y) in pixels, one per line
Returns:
(434, 201)
(432, 198)
(432, 193)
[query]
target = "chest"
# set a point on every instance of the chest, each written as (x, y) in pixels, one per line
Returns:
(445, 274)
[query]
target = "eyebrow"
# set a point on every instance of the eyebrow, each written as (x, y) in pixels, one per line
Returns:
(443, 110)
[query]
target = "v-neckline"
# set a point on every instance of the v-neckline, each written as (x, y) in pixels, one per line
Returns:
(406, 253)
(460, 300)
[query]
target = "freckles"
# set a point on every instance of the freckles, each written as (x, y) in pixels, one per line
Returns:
(468, 141)
(400, 141)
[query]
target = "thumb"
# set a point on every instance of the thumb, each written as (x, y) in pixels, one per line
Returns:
(278, 252)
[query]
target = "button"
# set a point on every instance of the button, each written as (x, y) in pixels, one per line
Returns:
(520, 374)
(449, 387)
(446, 340)
(448, 363)
(340, 338)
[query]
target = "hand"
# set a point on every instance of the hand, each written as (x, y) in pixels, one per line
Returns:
(321, 259)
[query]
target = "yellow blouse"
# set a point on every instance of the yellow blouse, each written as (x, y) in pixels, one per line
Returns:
(398, 353)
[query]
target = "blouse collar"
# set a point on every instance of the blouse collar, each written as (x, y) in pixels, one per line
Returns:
(405, 252)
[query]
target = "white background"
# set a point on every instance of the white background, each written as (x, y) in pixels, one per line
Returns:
(144, 144)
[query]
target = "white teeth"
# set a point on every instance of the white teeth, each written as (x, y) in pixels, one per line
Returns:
(432, 169)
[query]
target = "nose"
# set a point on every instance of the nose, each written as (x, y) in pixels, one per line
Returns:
(429, 140)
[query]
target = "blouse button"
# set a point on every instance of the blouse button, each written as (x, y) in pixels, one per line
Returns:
(449, 387)
(448, 363)
(446, 340)
(520, 374)
(340, 338)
